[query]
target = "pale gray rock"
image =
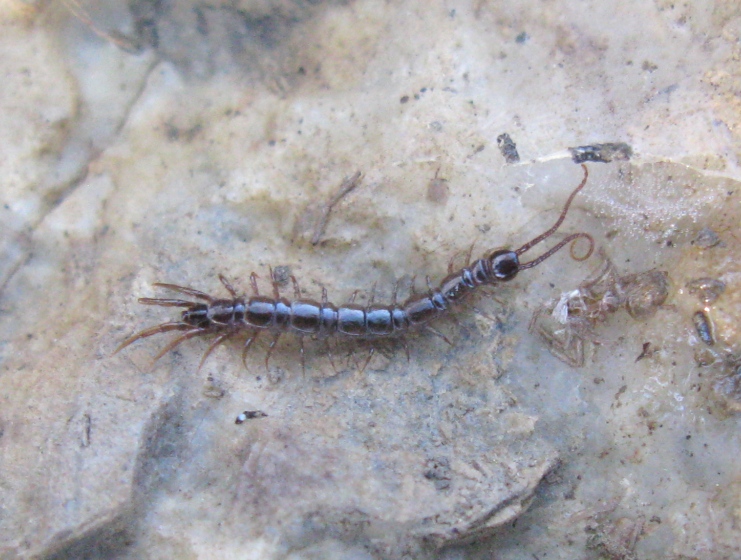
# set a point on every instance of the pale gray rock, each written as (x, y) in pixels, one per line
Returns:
(154, 142)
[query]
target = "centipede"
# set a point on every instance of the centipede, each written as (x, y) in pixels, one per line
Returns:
(239, 316)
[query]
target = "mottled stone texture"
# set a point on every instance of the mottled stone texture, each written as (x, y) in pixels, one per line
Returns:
(173, 141)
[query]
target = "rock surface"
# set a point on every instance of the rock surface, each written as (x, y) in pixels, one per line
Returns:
(161, 143)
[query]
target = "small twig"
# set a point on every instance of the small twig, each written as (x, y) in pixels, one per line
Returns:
(121, 41)
(348, 184)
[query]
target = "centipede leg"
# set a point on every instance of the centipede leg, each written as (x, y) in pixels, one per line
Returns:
(270, 349)
(437, 333)
(478, 311)
(296, 289)
(429, 284)
(395, 293)
(368, 359)
(190, 334)
(353, 296)
(469, 253)
(329, 355)
(483, 314)
(406, 348)
(303, 359)
(355, 360)
(456, 321)
(491, 293)
(161, 328)
(217, 341)
(276, 291)
(228, 286)
(247, 344)
(167, 302)
(487, 291)
(185, 290)
(253, 284)
(372, 297)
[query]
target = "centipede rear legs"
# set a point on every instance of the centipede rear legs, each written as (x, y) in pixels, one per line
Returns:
(218, 317)
(170, 326)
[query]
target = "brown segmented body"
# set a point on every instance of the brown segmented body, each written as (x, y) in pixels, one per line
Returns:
(227, 318)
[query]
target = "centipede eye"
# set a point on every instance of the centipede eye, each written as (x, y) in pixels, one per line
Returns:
(504, 265)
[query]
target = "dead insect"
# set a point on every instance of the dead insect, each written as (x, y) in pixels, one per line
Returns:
(602, 153)
(249, 415)
(508, 148)
(707, 289)
(568, 323)
(704, 327)
(728, 387)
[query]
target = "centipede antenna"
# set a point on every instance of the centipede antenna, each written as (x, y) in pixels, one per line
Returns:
(566, 241)
(545, 235)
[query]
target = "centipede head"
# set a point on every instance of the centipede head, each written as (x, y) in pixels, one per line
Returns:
(569, 239)
(504, 265)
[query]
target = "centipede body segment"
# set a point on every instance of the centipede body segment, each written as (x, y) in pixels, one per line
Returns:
(249, 317)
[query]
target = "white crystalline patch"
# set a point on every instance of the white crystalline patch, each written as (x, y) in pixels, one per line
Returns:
(561, 310)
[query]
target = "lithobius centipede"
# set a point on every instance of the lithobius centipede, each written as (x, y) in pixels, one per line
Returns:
(227, 318)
